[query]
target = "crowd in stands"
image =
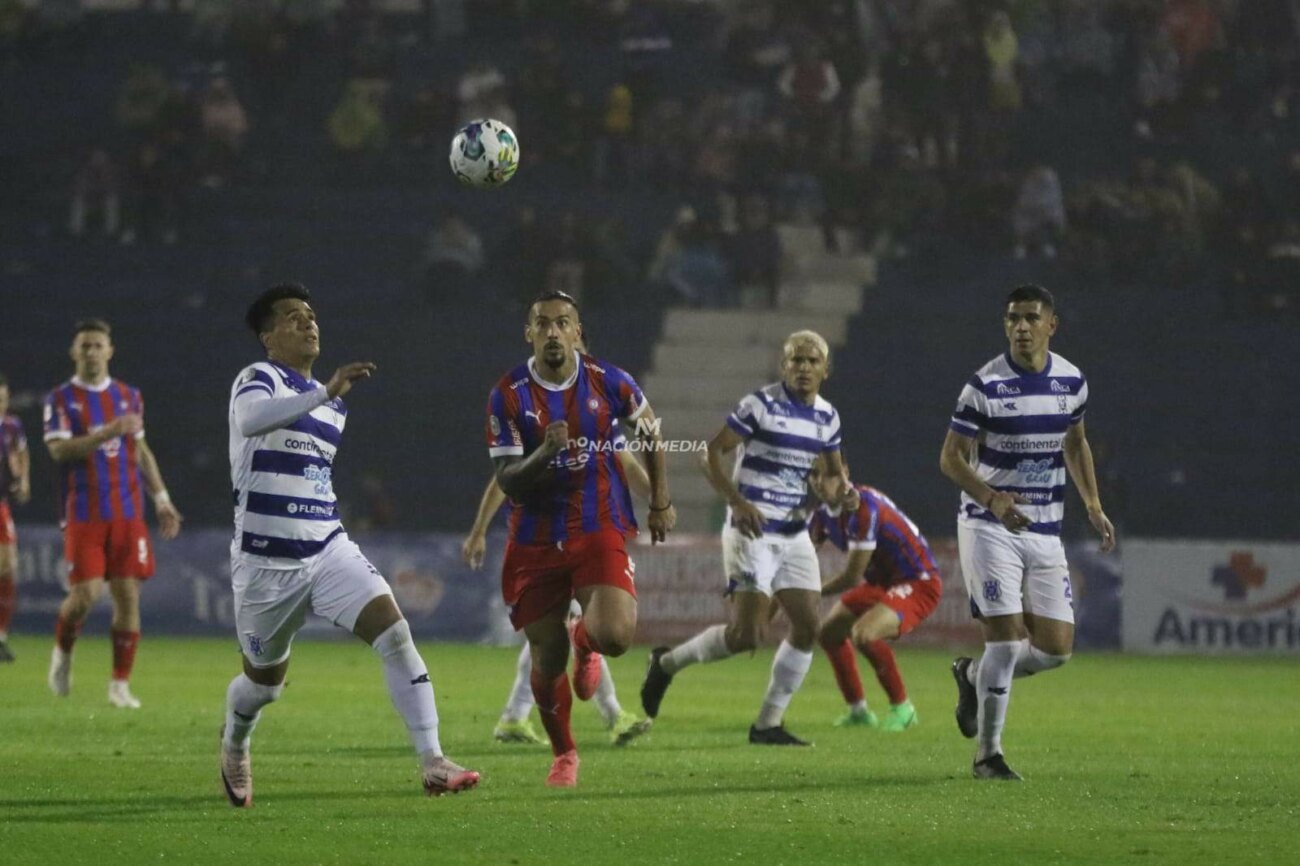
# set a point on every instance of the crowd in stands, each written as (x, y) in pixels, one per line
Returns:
(1136, 139)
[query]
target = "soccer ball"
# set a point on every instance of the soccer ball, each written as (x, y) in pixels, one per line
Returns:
(484, 153)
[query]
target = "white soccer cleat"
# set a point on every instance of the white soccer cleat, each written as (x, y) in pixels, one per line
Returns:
(60, 678)
(442, 775)
(119, 695)
(236, 775)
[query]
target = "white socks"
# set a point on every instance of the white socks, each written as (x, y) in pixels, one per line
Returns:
(520, 702)
(993, 688)
(244, 702)
(709, 645)
(788, 670)
(606, 698)
(409, 687)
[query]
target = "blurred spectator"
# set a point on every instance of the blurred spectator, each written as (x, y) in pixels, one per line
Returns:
(567, 269)
(357, 127)
(425, 119)
(141, 100)
(613, 159)
(1158, 85)
(1282, 269)
(452, 257)
(224, 126)
(96, 191)
(755, 53)
(522, 255)
(1038, 217)
(866, 118)
(481, 91)
(810, 84)
(1001, 50)
(754, 254)
(373, 54)
(157, 191)
(664, 143)
(688, 262)
(1193, 29)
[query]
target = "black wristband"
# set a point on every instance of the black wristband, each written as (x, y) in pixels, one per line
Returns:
(665, 508)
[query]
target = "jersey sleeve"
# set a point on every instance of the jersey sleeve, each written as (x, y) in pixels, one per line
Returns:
(137, 406)
(627, 400)
(864, 525)
(1081, 404)
(503, 436)
(254, 380)
(834, 439)
(57, 424)
(972, 413)
(746, 418)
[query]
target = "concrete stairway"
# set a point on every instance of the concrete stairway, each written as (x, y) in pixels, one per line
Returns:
(706, 360)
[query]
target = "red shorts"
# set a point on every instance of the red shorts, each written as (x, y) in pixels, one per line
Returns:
(912, 600)
(107, 548)
(538, 578)
(8, 535)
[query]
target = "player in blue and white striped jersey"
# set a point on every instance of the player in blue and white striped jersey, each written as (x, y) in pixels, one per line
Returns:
(290, 553)
(1018, 428)
(781, 430)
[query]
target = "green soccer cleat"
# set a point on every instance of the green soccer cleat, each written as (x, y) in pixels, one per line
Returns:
(899, 718)
(520, 731)
(627, 727)
(864, 719)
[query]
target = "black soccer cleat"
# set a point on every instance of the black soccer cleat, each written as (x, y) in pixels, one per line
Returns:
(656, 683)
(995, 767)
(777, 736)
(968, 706)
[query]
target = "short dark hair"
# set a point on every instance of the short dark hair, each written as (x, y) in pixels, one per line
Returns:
(1031, 292)
(262, 311)
(554, 295)
(92, 324)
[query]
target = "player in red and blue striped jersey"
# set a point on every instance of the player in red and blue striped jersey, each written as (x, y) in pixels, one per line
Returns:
(94, 428)
(552, 430)
(15, 481)
(889, 584)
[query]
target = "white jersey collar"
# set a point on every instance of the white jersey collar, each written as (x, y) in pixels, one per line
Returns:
(551, 386)
(82, 383)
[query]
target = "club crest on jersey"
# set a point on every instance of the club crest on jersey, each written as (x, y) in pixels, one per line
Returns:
(593, 404)
(992, 590)
(1062, 403)
(248, 376)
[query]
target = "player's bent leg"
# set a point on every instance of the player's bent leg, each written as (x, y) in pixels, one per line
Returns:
(749, 614)
(833, 635)
(125, 632)
(1050, 645)
(550, 648)
(246, 695)
(608, 618)
(81, 597)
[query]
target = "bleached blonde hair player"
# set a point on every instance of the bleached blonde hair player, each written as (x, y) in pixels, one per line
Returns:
(781, 430)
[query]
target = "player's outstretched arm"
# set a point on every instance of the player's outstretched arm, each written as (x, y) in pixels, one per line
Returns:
(258, 413)
(1078, 460)
(954, 460)
(851, 575)
(662, 517)
(473, 548)
(748, 519)
(169, 518)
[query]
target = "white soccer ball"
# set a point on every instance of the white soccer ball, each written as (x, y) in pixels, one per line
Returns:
(484, 153)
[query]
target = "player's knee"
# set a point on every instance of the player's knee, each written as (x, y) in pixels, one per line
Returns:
(743, 639)
(802, 637)
(394, 640)
(1049, 660)
(612, 639)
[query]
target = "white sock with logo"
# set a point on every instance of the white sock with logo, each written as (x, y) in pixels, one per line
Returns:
(520, 702)
(606, 697)
(788, 671)
(409, 687)
(244, 702)
(709, 645)
(993, 687)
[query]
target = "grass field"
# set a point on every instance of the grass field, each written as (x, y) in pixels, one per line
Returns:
(1127, 760)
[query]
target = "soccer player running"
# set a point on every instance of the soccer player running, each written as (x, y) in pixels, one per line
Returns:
(290, 553)
(890, 584)
(552, 426)
(15, 481)
(94, 430)
(1017, 429)
(514, 726)
(784, 427)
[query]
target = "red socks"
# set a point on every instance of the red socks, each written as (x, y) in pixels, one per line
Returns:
(124, 644)
(7, 593)
(554, 701)
(65, 634)
(582, 641)
(881, 656)
(845, 665)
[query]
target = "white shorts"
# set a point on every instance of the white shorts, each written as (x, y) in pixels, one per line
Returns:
(271, 604)
(769, 564)
(1008, 573)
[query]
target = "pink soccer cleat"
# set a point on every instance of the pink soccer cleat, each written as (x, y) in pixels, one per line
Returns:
(564, 771)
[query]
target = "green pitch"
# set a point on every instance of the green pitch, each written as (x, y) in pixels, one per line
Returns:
(1128, 760)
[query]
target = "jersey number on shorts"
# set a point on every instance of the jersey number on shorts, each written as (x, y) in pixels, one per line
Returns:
(142, 551)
